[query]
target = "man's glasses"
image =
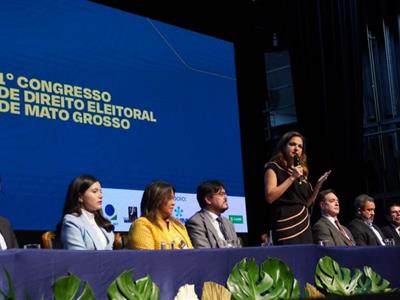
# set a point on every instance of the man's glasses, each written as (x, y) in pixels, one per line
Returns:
(221, 193)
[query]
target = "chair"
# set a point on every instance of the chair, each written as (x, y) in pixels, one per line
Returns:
(120, 240)
(48, 239)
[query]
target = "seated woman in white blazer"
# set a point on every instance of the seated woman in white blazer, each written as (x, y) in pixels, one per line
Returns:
(83, 226)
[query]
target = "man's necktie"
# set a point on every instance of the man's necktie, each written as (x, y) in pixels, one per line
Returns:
(222, 228)
(344, 234)
(377, 234)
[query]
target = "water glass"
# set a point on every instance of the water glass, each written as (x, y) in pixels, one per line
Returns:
(32, 246)
(236, 243)
(389, 242)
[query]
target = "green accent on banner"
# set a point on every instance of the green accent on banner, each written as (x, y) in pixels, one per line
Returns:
(235, 219)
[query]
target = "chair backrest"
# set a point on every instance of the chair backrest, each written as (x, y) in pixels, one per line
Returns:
(48, 238)
(120, 240)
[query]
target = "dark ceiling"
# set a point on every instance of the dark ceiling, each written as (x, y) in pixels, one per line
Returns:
(231, 21)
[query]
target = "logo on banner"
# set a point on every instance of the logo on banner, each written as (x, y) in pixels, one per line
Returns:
(132, 214)
(236, 219)
(179, 214)
(110, 211)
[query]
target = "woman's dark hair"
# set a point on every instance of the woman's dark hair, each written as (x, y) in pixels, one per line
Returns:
(155, 194)
(280, 156)
(72, 205)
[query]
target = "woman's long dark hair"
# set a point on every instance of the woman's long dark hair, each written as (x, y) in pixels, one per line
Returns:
(153, 197)
(72, 205)
(280, 157)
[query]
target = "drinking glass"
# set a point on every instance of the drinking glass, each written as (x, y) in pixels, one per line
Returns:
(32, 246)
(389, 242)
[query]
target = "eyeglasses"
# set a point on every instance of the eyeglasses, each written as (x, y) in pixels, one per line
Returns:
(221, 194)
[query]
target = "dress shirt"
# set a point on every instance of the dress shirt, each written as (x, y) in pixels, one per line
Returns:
(380, 238)
(335, 223)
(397, 229)
(213, 218)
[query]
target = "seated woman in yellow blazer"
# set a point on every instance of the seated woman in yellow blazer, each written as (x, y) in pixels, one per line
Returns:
(156, 228)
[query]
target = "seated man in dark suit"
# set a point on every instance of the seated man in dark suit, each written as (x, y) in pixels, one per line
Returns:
(364, 231)
(328, 229)
(7, 236)
(392, 231)
(208, 228)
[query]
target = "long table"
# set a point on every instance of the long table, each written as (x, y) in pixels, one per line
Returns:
(34, 270)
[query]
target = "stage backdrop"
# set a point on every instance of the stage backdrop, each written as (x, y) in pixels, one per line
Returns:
(85, 88)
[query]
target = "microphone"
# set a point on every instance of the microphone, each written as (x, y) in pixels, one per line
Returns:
(296, 162)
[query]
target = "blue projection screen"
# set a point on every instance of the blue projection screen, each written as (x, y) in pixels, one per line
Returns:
(88, 89)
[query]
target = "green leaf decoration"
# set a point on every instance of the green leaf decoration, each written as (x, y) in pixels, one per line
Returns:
(372, 282)
(280, 273)
(87, 293)
(273, 280)
(113, 292)
(333, 279)
(124, 288)
(10, 294)
(67, 288)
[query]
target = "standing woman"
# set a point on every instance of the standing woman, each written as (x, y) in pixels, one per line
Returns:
(156, 228)
(83, 225)
(288, 191)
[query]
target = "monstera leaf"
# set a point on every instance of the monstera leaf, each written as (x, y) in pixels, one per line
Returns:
(332, 278)
(273, 280)
(123, 288)
(281, 275)
(372, 282)
(68, 288)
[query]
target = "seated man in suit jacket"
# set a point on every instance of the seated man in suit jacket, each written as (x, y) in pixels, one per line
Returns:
(328, 229)
(392, 231)
(208, 228)
(7, 236)
(364, 231)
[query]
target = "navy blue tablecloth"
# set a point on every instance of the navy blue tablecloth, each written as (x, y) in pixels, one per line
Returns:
(34, 270)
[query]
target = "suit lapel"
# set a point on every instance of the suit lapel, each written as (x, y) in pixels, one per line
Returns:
(228, 228)
(335, 232)
(211, 229)
(91, 232)
(371, 235)
(395, 235)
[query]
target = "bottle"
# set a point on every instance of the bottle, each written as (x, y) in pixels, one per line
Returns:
(182, 245)
(163, 245)
(270, 240)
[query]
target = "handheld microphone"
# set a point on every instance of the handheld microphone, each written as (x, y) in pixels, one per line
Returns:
(296, 162)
